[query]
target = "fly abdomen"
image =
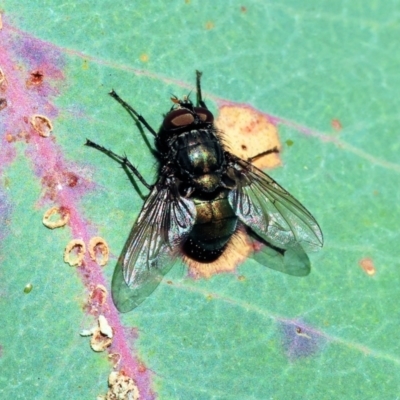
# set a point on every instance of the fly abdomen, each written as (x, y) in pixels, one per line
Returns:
(215, 224)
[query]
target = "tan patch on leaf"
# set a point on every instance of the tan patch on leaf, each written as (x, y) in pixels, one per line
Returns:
(247, 132)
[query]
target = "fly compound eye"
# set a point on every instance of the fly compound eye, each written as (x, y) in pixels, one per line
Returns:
(178, 118)
(204, 114)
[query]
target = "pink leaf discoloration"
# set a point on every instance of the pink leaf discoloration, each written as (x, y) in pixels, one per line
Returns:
(34, 74)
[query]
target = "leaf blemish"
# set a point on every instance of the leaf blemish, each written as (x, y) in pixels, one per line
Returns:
(98, 296)
(42, 125)
(336, 124)
(31, 77)
(367, 265)
(210, 25)
(247, 132)
(35, 78)
(300, 340)
(3, 103)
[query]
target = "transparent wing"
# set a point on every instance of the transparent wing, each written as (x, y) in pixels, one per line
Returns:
(164, 222)
(271, 212)
(292, 261)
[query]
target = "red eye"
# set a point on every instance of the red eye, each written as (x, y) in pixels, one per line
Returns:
(178, 118)
(204, 114)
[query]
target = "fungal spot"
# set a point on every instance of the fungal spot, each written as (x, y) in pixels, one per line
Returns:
(336, 124)
(300, 332)
(120, 386)
(248, 127)
(2, 76)
(3, 103)
(101, 336)
(367, 265)
(98, 295)
(10, 138)
(243, 9)
(71, 179)
(289, 143)
(115, 359)
(142, 368)
(241, 278)
(22, 135)
(74, 253)
(100, 342)
(56, 217)
(105, 327)
(98, 250)
(28, 288)
(56, 181)
(144, 57)
(35, 79)
(85, 65)
(210, 25)
(300, 340)
(42, 125)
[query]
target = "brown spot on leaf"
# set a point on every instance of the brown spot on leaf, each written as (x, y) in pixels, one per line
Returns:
(98, 295)
(42, 125)
(2, 76)
(98, 250)
(144, 57)
(57, 181)
(114, 358)
(3, 103)
(71, 179)
(35, 79)
(74, 252)
(210, 25)
(121, 386)
(85, 65)
(300, 340)
(56, 217)
(336, 124)
(367, 265)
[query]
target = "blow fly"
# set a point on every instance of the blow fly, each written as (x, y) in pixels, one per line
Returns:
(203, 195)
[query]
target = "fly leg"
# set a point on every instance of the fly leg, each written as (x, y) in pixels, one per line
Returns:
(264, 153)
(131, 110)
(200, 101)
(122, 160)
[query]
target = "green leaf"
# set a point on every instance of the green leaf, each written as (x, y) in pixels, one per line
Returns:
(326, 73)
